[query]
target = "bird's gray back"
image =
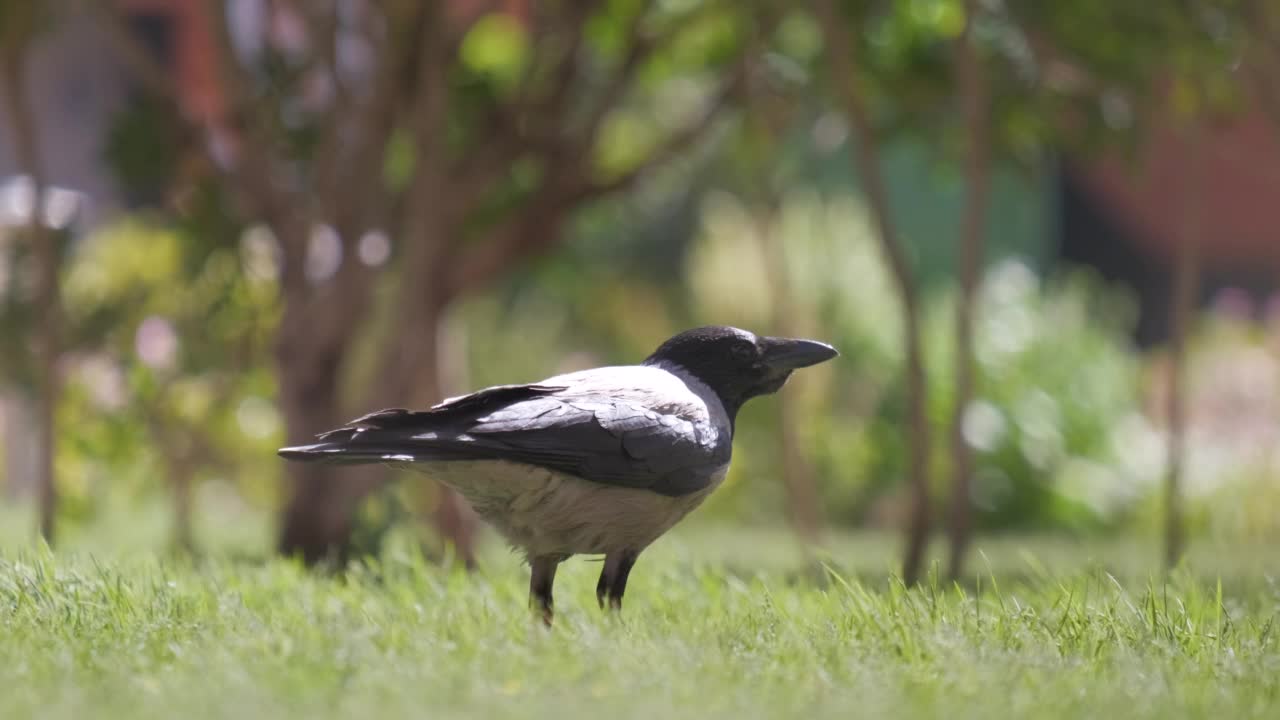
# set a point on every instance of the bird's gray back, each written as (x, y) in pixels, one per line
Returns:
(666, 390)
(635, 426)
(644, 427)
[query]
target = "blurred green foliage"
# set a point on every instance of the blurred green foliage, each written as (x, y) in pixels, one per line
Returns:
(178, 381)
(1057, 378)
(171, 313)
(1057, 374)
(1058, 393)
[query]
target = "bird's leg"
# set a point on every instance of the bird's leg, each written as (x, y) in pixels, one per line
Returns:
(602, 585)
(613, 578)
(541, 579)
(620, 580)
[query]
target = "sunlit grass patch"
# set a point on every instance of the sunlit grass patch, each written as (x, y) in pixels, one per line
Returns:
(142, 637)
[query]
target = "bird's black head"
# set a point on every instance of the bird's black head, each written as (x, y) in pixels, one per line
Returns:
(736, 364)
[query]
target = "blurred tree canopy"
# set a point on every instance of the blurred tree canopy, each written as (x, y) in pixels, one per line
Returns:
(460, 144)
(395, 201)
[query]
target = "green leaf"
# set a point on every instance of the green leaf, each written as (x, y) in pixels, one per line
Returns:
(625, 139)
(498, 47)
(799, 36)
(397, 162)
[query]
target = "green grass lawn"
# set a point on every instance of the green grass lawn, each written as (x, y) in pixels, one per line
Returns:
(717, 624)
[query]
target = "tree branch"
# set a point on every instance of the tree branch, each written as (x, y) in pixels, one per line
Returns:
(640, 47)
(252, 169)
(676, 144)
(322, 31)
(866, 157)
(522, 234)
(430, 115)
(1057, 70)
(1263, 64)
(552, 105)
(254, 165)
(525, 124)
(144, 67)
(355, 140)
(517, 128)
(1261, 21)
(517, 239)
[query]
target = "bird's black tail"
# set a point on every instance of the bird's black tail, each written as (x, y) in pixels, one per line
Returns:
(339, 453)
(396, 435)
(381, 437)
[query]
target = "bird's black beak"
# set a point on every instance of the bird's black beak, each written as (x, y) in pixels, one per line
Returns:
(790, 354)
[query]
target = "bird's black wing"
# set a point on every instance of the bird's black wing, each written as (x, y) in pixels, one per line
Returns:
(456, 409)
(606, 440)
(601, 437)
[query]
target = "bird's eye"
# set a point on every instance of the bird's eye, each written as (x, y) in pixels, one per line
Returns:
(742, 351)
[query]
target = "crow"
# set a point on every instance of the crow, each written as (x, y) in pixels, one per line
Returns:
(595, 462)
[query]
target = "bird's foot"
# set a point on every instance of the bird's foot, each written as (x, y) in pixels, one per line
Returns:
(613, 580)
(546, 614)
(541, 580)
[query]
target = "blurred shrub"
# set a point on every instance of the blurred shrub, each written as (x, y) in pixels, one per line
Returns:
(178, 384)
(1231, 480)
(1057, 412)
(1058, 394)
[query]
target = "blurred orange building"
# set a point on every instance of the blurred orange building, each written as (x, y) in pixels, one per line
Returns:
(1218, 188)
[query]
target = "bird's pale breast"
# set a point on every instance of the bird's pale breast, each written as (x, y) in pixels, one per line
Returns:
(545, 512)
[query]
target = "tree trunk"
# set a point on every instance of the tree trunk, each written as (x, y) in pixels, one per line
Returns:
(843, 54)
(48, 292)
(414, 375)
(919, 438)
(1186, 282)
(177, 446)
(19, 446)
(50, 386)
(974, 101)
(316, 523)
(797, 475)
(454, 519)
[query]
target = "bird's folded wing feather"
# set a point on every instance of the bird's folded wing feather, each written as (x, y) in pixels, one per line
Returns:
(612, 438)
